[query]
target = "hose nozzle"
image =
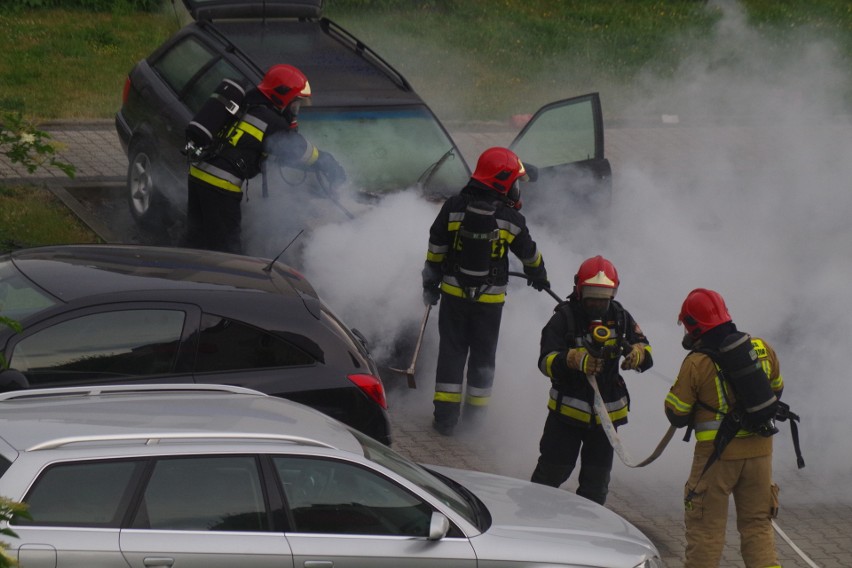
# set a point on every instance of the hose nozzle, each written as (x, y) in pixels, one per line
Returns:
(601, 334)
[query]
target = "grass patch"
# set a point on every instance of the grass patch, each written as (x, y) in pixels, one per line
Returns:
(478, 59)
(71, 63)
(485, 59)
(33, 216)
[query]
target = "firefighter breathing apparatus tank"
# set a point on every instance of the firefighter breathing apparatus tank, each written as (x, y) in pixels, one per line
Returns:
(475, 243)
(756, 402)
(210, 123)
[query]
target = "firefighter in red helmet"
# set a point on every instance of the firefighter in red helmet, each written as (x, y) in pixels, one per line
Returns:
(268, 127)
(467, 268)
(568, 354)
(700, 399)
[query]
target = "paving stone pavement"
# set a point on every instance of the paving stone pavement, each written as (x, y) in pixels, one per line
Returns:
(816, 511)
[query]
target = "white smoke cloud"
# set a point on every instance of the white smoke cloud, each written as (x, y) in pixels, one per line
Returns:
(748, 195)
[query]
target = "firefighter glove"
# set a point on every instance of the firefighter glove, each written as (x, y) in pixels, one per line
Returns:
(634, 357)
(539, 283)
(431, 296)
(431, 275)
(327, 165)
(582, 360)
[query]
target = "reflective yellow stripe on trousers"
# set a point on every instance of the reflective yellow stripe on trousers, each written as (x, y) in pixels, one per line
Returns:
(216, 177)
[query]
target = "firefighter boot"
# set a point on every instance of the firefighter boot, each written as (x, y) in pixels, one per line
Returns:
(446, 417)
(552, 474)
(594, 483)
(473, 417)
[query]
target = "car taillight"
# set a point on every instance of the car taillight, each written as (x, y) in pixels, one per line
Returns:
(372, 387)
(125, 91)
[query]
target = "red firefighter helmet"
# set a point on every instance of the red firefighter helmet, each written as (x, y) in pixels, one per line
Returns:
(499, 169)
(596, 278)
(703, 310)
(283, 84)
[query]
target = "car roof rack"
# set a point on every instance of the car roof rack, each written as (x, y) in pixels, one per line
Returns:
(118, 389)
(345, 37)
(152, 439)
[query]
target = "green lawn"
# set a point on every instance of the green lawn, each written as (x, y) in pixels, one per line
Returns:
(481, 59)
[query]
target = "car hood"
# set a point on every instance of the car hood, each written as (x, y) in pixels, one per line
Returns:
(536, 523)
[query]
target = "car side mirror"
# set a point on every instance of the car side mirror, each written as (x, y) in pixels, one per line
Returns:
(439, 526)
(12, 380)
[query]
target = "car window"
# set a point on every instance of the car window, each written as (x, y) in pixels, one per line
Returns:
(385, 456)
(92, 494)
(18, 296)
(327, 496)
(183, 62)
(4, 465)
(227, 345)
(200, 90)
(124, 343)
(203, 494)
(562, 134)
(388, 150)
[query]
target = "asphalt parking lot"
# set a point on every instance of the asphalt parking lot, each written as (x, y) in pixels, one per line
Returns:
(818, 518)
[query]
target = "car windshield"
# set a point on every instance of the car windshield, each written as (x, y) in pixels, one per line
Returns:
(19, 297)
(385, 150)
(384, 456)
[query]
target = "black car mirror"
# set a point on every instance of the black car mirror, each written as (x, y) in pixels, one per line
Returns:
(12, 380)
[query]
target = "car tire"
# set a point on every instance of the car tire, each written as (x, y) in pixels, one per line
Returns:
(146, 202)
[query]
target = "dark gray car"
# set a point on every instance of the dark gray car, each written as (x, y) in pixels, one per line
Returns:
(97, 315)
(362, 110)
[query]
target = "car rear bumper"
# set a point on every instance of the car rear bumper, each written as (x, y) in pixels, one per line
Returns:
(123, 130)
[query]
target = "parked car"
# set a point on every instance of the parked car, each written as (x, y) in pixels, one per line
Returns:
(362, 110)
(97, 315)
(196, 476)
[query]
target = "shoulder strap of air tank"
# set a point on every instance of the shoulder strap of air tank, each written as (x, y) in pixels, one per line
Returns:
(620, 319)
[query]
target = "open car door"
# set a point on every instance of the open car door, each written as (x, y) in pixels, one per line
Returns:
(565, 141)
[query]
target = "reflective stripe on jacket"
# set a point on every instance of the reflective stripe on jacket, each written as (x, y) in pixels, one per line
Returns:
(513, 236)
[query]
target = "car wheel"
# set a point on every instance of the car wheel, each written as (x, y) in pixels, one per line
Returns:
(143, 196)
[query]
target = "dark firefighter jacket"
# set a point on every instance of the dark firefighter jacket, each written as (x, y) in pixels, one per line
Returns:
(514, 236)
(259, 132)
(698, 386)
(571, 395)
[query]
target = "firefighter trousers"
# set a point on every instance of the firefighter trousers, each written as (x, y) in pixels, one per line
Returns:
(468, 336)
(213, 217)
(562, 444)
(749, 480)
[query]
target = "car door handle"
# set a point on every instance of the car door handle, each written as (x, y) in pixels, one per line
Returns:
(153, 561)
(318, 564)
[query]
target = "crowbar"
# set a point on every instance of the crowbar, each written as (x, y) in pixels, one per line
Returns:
(409, 372)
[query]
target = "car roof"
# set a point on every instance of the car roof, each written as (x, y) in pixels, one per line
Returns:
(335, 63)
(207, 9)
(342, 71)
(134, 414)
(74, 271)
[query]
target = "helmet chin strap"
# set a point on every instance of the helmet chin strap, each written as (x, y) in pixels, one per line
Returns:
(289, 116)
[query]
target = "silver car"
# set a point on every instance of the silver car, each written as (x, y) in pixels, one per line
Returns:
(210, 475)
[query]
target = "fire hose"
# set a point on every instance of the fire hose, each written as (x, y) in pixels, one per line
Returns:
(601, 336)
